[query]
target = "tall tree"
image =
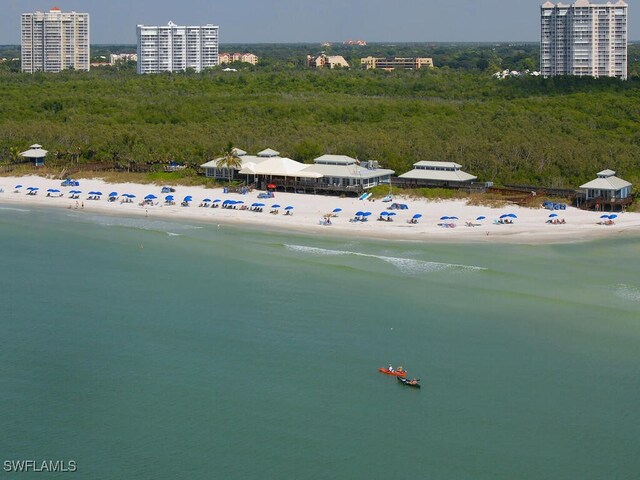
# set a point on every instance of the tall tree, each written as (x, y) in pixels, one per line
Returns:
(229, 160)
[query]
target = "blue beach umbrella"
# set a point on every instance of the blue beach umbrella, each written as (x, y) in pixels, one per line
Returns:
(391, 214)
(504, 215)
(113, 194)
(553, 215)
(444, 218)
(168, 198)
(359, 213)
(228, 202)
(259, 204)
(417, 216)
(366, 214)
(337, 210)
(99, 194)
(217, 200)
(52, 190)
(384, 214)
(611, 217)
(453, 218)
(188, 198)
(207, 200)
(601, 216)
(513, 215)
(481, 217)
(151, 196)
(275, 205)
(131, 195)
(18, 186)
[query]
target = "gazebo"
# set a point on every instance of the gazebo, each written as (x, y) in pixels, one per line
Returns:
(607, 192)
(36, 153)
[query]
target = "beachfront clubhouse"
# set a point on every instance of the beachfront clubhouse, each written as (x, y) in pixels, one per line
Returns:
(328, 173)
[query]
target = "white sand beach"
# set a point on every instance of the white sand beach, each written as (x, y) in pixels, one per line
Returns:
(529, 227)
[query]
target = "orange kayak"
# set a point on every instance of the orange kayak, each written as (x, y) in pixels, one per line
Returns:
(395, 373)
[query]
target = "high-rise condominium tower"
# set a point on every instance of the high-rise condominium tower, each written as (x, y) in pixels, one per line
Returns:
(172, 48)
(584, 39)
(55, 41)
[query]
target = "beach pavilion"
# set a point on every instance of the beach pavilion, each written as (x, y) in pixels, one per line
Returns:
(278, 171)
(267, 167)
(212, 170)
(345, 174)
(436, 174)
(36, 153)
(606, 192)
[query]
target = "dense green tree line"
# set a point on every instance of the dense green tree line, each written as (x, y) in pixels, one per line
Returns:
(555, 132)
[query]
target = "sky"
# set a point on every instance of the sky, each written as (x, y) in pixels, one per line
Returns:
(292, 21)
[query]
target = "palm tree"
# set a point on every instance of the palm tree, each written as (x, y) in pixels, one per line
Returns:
(229, 160)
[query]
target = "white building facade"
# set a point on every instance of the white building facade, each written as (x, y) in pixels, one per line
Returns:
(172, 48)
(584, 39)
(54, 41)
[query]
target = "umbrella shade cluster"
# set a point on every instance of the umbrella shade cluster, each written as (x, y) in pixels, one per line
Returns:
(232, 202)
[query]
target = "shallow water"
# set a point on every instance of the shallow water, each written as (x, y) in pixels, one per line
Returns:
(152, 349)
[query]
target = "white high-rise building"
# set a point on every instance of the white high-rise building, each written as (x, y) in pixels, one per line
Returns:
(172, 48)
(54, 41)
(584, 39)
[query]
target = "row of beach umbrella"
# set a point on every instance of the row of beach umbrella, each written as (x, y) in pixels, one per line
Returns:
(189, 198)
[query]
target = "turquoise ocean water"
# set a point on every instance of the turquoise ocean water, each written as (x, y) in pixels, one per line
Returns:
(148, 349)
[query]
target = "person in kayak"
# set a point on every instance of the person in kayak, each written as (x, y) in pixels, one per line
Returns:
(414, 382)
(390, 368)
